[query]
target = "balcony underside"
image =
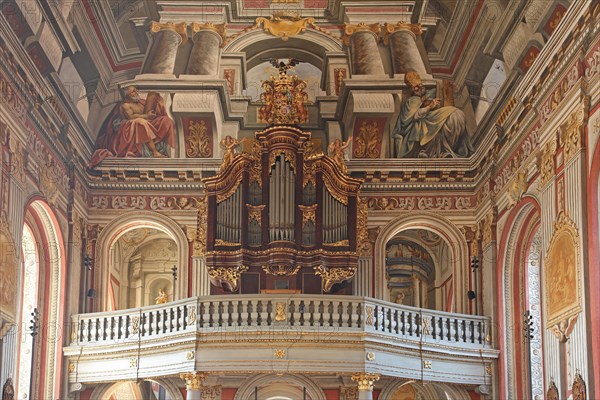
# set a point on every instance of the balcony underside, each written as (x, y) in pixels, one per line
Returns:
(280, 334)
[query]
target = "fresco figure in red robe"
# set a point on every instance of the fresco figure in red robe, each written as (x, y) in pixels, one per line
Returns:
(136, 128)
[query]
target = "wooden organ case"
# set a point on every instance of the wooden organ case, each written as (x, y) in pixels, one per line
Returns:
(282, 218)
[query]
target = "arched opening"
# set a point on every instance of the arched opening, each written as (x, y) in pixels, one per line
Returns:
(42, 287)
(29, 290)
(519, 256)
(135, 257)
(141, 268)
(452, 252)
(144, 390)
(419, 270)
(411, 390)
(279, 387)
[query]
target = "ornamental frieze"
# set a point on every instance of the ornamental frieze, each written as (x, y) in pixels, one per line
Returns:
(516, 162)
(143, 203)
(559, 92)
(410, 203)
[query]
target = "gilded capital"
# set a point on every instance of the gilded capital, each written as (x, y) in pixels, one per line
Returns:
(351, 29)
(365, 380)
(390, 29)
(219, 29)
(180, 28)
(193, 380)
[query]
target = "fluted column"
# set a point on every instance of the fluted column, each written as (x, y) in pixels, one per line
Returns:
(402, 39)
(205, 55)
(165, 42)
(193, 384)
(365, 383)
(362, 39)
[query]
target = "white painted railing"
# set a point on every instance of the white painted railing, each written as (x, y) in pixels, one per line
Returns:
(273, 312)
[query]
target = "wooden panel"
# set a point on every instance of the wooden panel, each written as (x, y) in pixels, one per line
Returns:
(250, 283)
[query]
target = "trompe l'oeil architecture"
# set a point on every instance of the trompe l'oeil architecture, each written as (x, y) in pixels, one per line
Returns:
(299, 200)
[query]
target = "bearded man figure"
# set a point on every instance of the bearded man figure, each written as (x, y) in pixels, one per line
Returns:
(426, 130)
(136, 128)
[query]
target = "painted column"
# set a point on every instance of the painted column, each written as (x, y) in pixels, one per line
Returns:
(193, 384)
(206, 53)
(165, 42)
(365, 383)
(365, 57)
(402, 39)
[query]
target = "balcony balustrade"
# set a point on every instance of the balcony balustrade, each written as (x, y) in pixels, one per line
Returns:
(291, 333)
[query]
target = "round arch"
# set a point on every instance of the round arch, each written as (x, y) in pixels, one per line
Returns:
(426, 391)
(51, 295)
(521, 225)
(130, 221)
(440, 226)
(170, 385)
(284, 385)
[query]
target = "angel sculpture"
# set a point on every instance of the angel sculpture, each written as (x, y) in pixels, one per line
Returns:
(336, 152)
(228, 145)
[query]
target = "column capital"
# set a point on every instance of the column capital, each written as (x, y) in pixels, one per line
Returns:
(180, 28)
(365, 380)
(390, 29)
(193, 380)
(351, 29)
(219, 29)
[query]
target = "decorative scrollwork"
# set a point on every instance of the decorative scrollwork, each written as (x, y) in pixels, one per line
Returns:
(332, 275)
(230, 275)
(284, 24)
(255, 212)
(281, 270)
(362, 231)
(308, 213)
(198, 143)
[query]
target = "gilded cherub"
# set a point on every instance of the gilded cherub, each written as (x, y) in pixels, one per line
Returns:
(228, 144)
(162, 296)
(336, 151)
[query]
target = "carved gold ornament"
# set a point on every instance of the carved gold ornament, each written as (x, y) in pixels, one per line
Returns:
(332, 275)
(362, 231)
(369, 320)
(370, 356)
(192, 315)
(210, 392)
(193, 380)
(427, 364)
(285, 24)
(390, 29)
(219, 29)
(180, 28)
(280, 312)
(198, 143)
(349, 393)
(572, 133)
(284, 99)
(281, 270)
(488, 369)
(365, 380)
(562, 277)
(545, 161)
(552, 393)
(133, 362)
(255, 212)
(71, 368)
(190, 355)
(279, 353)
(350, 29)
(517, 188)
(308, 213)
(578, 389)
(135, 324)
(231, 275)
(198, 236)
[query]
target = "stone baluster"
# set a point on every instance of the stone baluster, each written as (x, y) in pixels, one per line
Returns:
(205, 55)
(165, 42)
(193, 384)
(402, 39)
(365, 383)
(362, 39)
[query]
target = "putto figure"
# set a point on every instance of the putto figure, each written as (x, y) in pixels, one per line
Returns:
(426, 130)
(136, 128)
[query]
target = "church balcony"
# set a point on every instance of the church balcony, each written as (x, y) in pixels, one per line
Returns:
(280, 334)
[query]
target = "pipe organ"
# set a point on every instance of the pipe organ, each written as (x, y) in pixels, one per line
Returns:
(281, 216)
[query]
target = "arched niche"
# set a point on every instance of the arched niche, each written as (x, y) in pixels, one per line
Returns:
(419, 270)
(457, 245)
(414, 390)
(126, 223)
(279, 386)
(141, 262)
